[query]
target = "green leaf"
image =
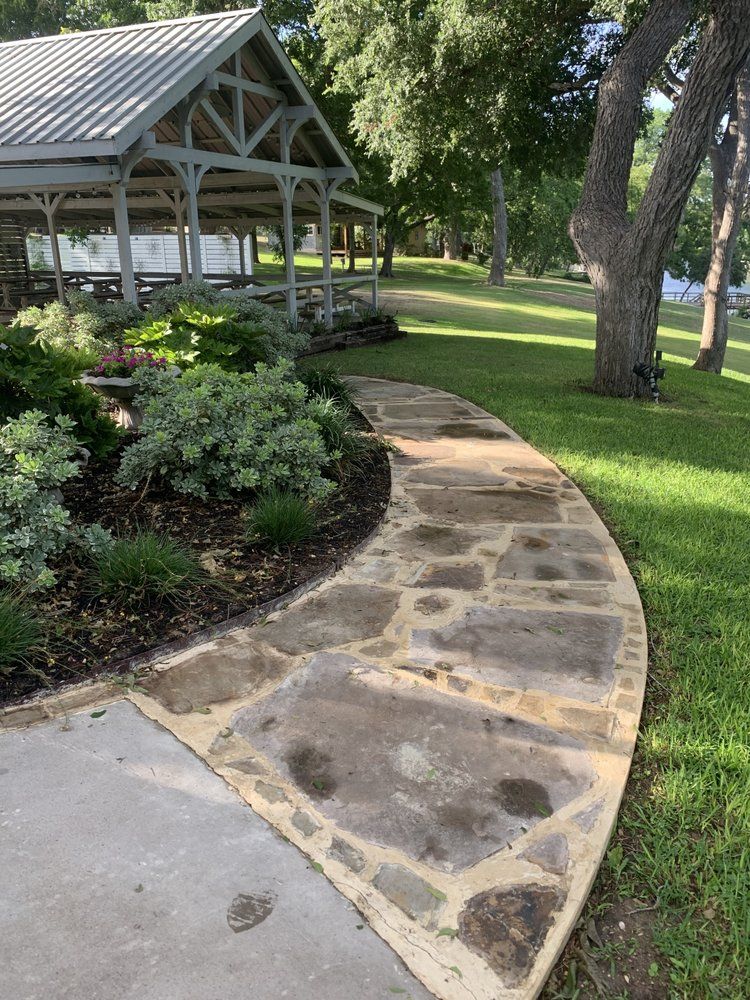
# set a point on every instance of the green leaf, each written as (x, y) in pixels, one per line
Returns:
(437, 893)
(450, 932)
(396, 989)
(456, 971)
(202, 711)
(318, 867)
(653, 969)
(319, 784)
(431, 774)
(98, 714)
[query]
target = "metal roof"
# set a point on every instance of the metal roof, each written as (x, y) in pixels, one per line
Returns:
(93, 85)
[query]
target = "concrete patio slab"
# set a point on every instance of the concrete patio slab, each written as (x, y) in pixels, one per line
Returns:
(130, 870)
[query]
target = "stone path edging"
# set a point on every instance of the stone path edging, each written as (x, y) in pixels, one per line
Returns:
(446, 726)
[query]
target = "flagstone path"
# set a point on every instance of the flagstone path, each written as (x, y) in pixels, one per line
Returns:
(445, 727)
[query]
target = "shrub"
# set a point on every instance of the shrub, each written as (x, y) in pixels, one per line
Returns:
(56, 324)
(326, 381)
(281, 518)
(217, 433)
(165, 300)
(20, 632)
(194, 335)
(35, 459)
(280, 338)
(34, 375)
(145, 566)
(112, 318)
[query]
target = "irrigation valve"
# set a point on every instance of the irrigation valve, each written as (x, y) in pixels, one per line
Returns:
(651, 374)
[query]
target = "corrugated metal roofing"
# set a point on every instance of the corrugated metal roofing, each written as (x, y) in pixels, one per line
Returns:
(93, 84)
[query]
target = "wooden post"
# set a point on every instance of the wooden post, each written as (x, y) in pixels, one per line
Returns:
(325, 236)
(374, 239)
(291, 295)
(194, 230)
(54, 246)
(122, 228)
(239, 232)
(181, 241)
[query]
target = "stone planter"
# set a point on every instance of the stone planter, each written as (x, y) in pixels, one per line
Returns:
(122, 392)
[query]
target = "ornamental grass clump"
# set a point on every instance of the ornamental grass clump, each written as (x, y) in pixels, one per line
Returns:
(280, 518)
(218, 433)
(349, 449)
(145, 566)
(20, 633)
(327, 381)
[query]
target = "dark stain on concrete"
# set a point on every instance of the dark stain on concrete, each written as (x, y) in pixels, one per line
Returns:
(469, 429)
(434, 541)
(523, 797)
(507, 927)
(555, 554)
(464, 576)
(310, 769)
(248, 909)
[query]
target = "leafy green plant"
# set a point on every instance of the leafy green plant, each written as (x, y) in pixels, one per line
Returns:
(35, 459)
(145, 566)
(280, 338)
(112, 319)
(281, 518)
(194, 335)
(35, 375)
(57, 326)
(20, 632)
(326, 381)
(218, 433)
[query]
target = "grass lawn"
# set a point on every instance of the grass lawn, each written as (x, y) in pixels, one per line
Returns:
(673, 482)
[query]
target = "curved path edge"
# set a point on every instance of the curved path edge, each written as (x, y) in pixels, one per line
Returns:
(445, 727)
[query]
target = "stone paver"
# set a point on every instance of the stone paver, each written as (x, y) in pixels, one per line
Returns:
(445, 728)
(131, 870)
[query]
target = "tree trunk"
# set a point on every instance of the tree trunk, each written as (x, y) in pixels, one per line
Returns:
(499, 230)
(731, 175)
(626, 261)
(389, 245)
(254, 245)
(351, 248)
(453, 242)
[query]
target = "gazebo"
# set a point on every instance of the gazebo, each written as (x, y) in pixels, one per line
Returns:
(195, 123)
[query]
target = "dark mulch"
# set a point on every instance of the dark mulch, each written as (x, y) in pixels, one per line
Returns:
(89, 635)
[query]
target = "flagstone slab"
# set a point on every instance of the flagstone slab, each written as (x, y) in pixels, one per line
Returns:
(555, 554)
(487, 506)
(563, 652)
(447, 782)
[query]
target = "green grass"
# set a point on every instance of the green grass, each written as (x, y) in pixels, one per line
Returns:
(673, 482)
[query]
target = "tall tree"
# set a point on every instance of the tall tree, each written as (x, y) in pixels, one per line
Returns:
(499, 229)
(730, 161)
(625, 259)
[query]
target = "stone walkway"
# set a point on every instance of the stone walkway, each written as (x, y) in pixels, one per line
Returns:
(445, 727)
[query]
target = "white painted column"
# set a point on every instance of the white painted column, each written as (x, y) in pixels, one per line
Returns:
(291, 295)
(55, 247)
(122, 228)
(181, 241)
(374, 238)
(194, 230)
(325, 238)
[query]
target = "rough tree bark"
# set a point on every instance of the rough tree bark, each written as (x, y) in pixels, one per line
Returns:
(499, 230)
(730, 163)
(389, 245)
(625, 261)
(254, 245)
(453, 242)
(351, 248)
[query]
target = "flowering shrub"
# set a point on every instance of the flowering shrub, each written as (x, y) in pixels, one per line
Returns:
(123, 363)
(35, 458)
(218, 433)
